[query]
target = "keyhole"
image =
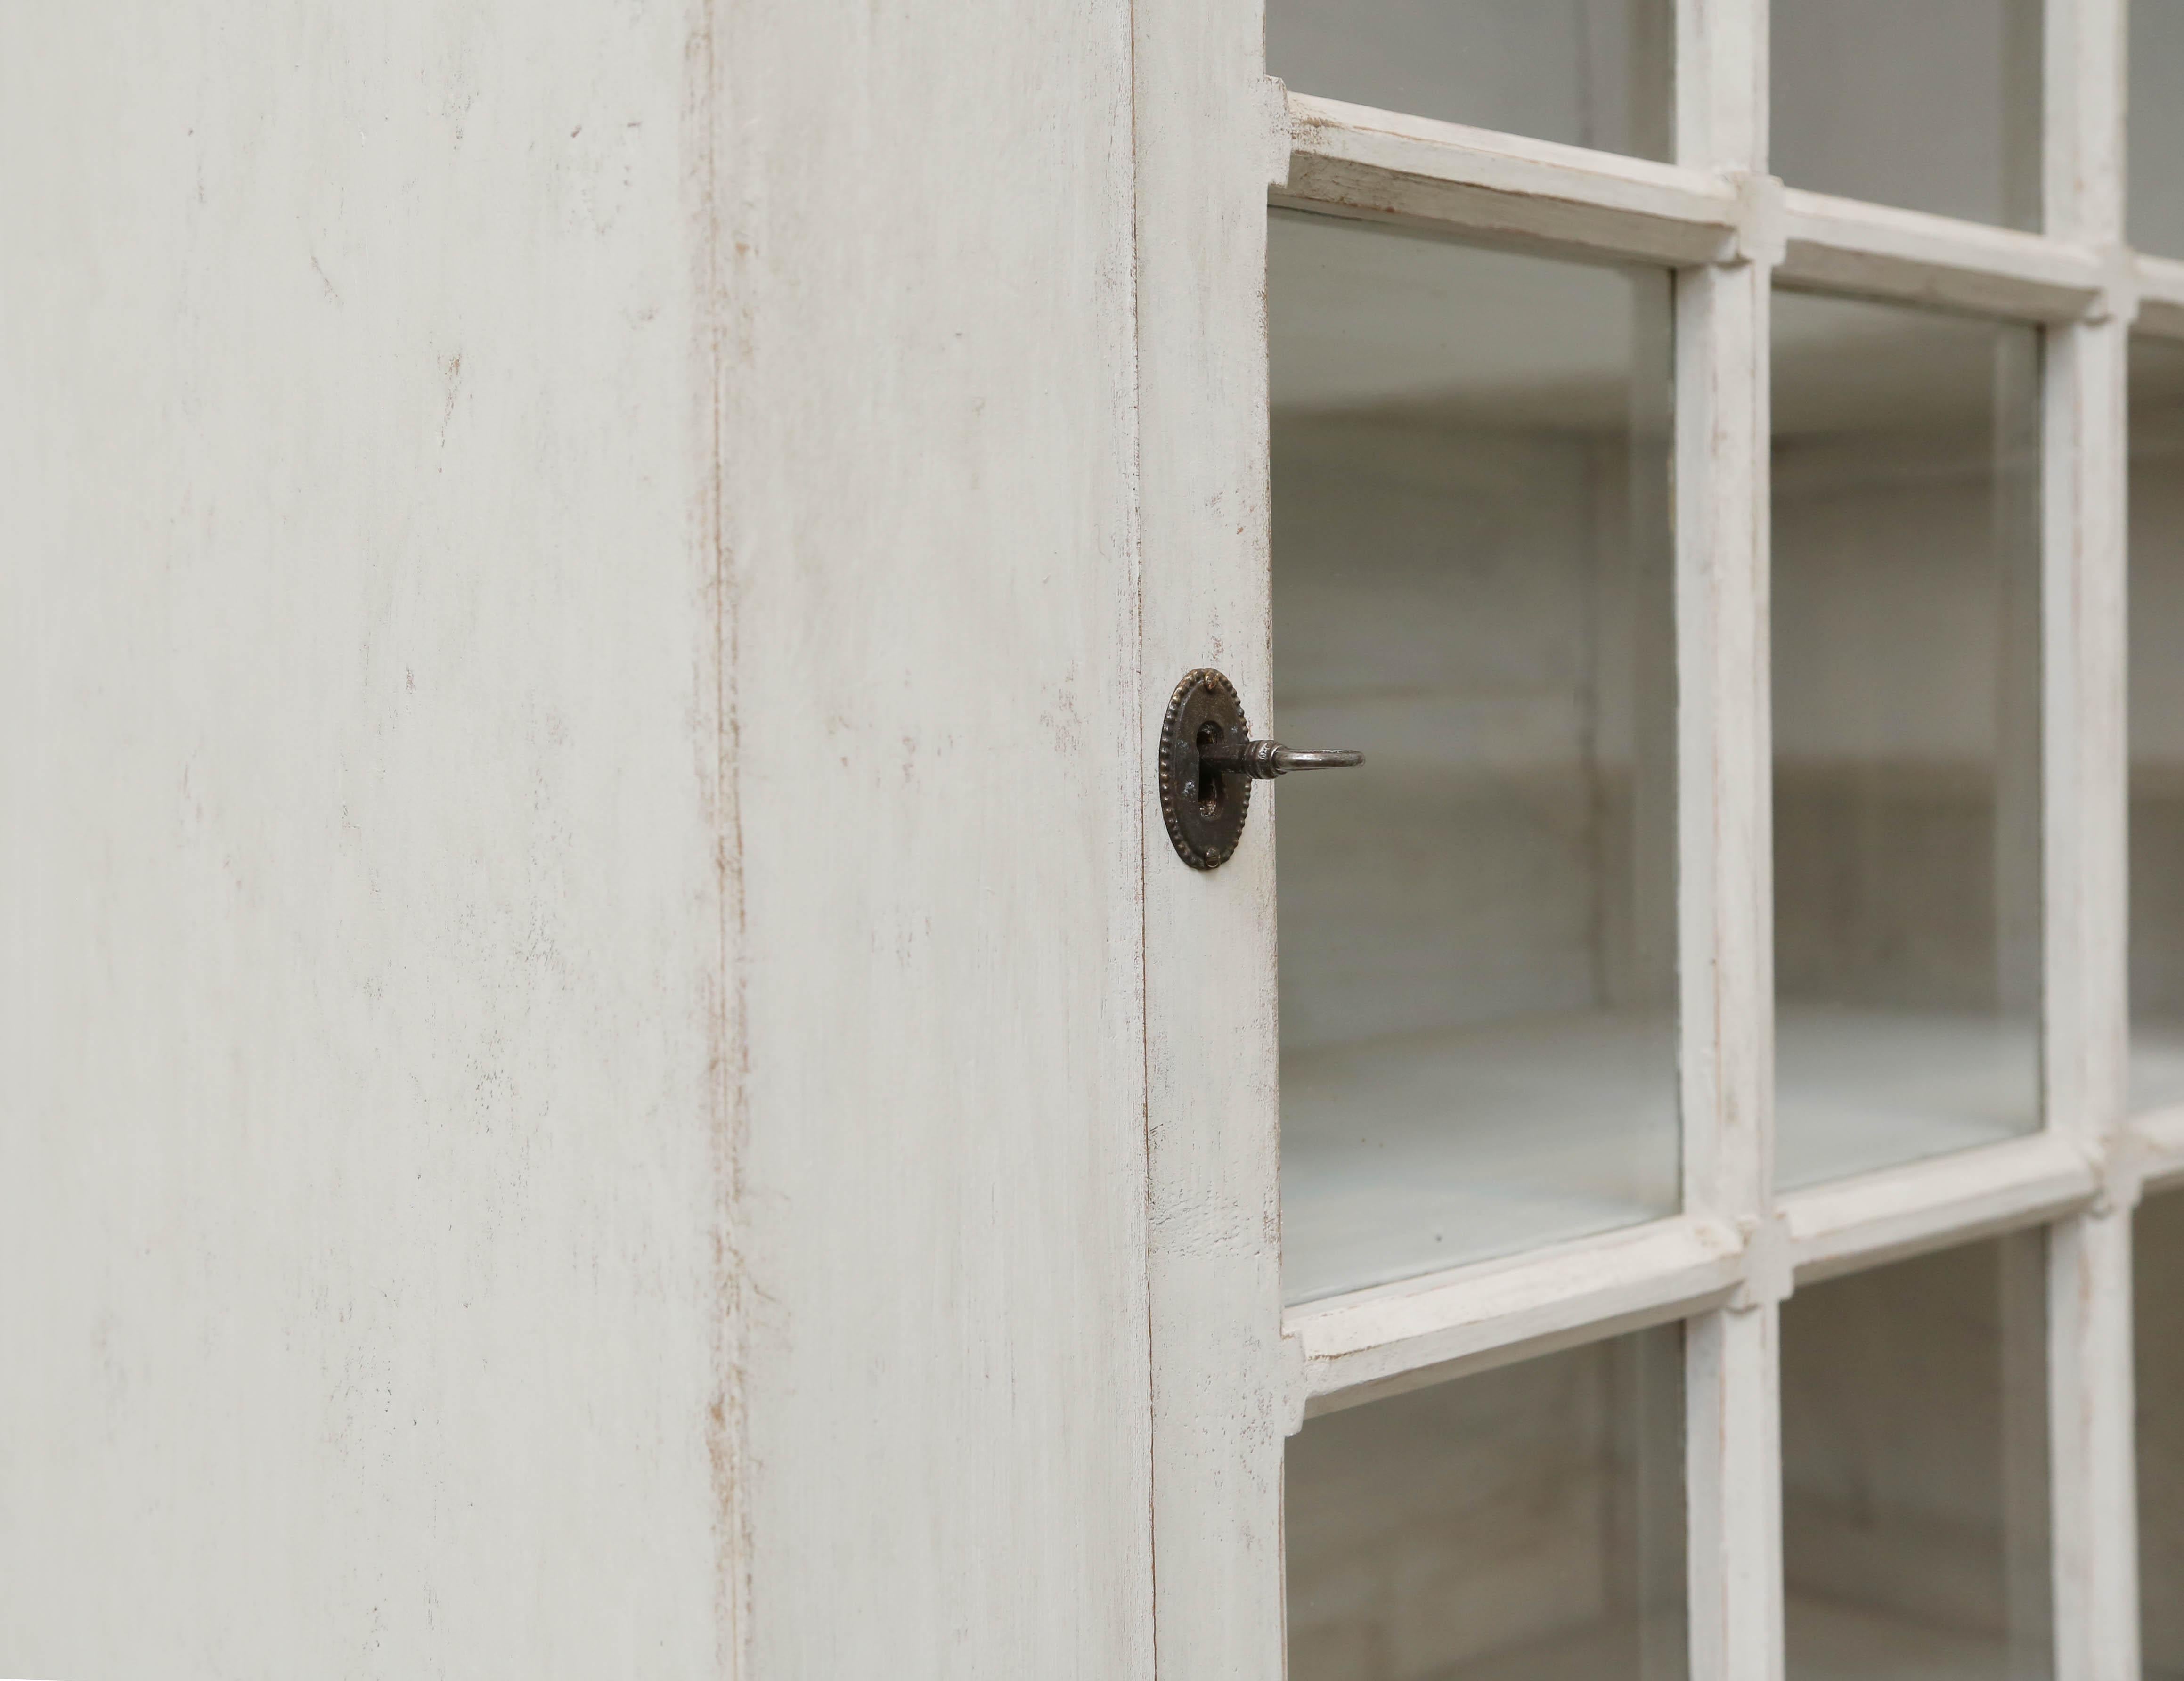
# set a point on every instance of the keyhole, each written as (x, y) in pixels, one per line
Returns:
(1211, 792)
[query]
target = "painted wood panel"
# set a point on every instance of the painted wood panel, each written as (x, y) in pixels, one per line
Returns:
(573, 844)
(361, 1178)
(926, 396)
(1212, 134)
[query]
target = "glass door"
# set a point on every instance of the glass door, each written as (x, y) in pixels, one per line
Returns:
(1682, 446)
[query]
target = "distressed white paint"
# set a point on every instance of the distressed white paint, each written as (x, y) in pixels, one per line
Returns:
(1423, 1330)
(1882, 252)
(362, 1170)
(2091, 1401)
(1210, 135)
(566, 1115)
(1413, 169)
(928, 451)
(2096, 1556)
(1731, 1379)
(1931, 1204)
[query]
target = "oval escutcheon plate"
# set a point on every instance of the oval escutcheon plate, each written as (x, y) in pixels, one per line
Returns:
(1205, 808)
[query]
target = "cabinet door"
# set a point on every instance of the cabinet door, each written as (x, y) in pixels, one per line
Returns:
(1708, 530)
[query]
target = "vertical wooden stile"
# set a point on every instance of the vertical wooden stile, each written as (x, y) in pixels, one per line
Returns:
(2094, 1521)
(1210, 132)
(1733, 1447)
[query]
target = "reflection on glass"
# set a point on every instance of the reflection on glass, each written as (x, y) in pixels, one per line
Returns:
(1472, 582)
(1586, 72)
(2154, 215)
(2156, 723)
(1523, 1525)
(2157, 1239)
(1907, 734)
(1915, 1469)
(1933, 105)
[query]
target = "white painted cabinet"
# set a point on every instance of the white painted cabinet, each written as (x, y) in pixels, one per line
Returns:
(575, 1062)
(612, 1069)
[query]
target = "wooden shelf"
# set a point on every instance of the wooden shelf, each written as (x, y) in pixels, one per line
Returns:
(1826, 1641)
(1406, 1154)
(1860, 1089)
(1829, 1641)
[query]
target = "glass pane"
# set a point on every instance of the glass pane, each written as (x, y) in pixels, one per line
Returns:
(2155, 210)
(2158, 1238)
(1915, 1469)
(2156, 723)
(1586, 72)
(1471, 582)
(1907, 733)
(1933, 105)
(1523, 1525)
